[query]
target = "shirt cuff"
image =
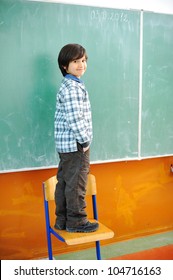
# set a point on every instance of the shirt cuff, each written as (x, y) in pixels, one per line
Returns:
(86, 144)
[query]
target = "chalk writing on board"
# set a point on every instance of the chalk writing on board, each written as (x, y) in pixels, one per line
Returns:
(109, 16)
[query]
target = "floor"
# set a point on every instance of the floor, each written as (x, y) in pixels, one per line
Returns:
(152, 247)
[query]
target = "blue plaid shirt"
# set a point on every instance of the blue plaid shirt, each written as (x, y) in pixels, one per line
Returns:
(73, 121)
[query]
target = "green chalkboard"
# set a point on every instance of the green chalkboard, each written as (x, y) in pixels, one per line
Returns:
(157, 102)
(31, 35)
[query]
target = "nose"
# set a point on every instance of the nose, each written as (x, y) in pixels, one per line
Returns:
(81, 63)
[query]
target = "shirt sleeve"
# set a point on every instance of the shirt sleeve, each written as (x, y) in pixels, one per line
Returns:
(76, 111)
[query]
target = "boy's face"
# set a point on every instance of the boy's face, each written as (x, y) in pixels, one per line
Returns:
(77, 67)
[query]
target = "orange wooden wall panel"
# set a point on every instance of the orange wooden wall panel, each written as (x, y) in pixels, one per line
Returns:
(138, 196)
(135, 198)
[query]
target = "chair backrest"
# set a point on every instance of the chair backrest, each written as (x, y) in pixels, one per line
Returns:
(50, 185)
(91, 185)
(49, 188)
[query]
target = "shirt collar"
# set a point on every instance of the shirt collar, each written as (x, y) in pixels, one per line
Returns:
(69, 76)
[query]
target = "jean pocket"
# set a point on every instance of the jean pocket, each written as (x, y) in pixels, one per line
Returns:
(79, 147)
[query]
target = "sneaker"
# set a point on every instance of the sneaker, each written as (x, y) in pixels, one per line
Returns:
(88, 227)
(58, 226)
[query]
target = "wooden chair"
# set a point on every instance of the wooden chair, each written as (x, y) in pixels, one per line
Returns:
(74, 238)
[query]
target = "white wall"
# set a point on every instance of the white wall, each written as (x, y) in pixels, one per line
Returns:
(161, 6)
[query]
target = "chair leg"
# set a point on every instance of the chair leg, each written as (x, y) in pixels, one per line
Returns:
(49, 246)
(48, 234)
(98, 252)
(49, 242)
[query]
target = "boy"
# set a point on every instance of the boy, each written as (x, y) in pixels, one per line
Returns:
(73, 136)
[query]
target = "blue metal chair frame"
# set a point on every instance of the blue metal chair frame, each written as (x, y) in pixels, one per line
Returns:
(50, 230)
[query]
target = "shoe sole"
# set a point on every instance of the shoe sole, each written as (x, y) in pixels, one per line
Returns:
(80, 230)
(60, 228)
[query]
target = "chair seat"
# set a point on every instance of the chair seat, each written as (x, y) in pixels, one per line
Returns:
(80, 237)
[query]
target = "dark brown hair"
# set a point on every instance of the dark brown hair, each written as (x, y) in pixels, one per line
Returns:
(69, 53)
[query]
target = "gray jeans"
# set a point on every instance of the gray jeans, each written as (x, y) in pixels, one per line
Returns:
(71, 188)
